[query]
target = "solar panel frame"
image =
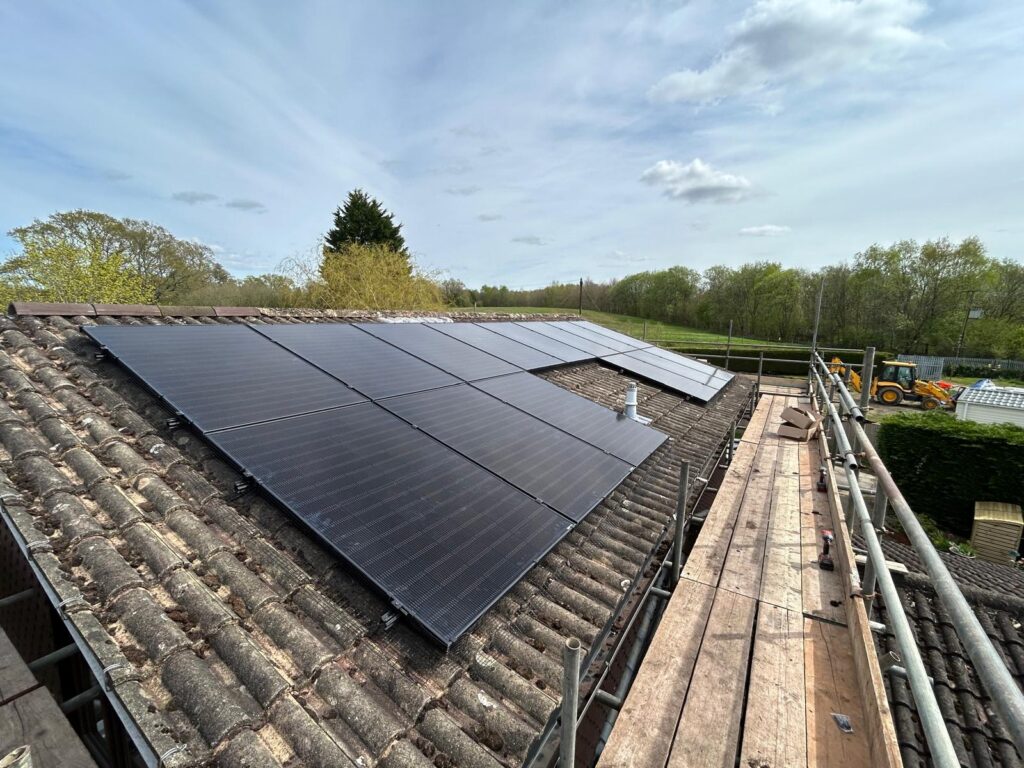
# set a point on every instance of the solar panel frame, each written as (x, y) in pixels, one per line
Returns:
(637, 367)
(522, 333)
(562, 471)
(364, 362)
(449, 354)
(502, 347)
(579, 328)
(687, 366)
(608, 430)
(608, 332)
(591, 348)
(378, 503)
(194, 369)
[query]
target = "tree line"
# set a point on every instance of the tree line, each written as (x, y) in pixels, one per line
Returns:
(905, 297)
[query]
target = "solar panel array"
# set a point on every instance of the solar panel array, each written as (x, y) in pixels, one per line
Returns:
(425, 455)
(639, 358)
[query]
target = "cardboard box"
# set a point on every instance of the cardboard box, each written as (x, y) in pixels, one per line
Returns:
(801, 417)
(798, 433)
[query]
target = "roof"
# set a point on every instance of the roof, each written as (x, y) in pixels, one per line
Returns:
(996, 593)
(228, 630)
(1000, 397)
(998, 512)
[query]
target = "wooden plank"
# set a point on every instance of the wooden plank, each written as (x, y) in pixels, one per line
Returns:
(878, 718)
(892, 565)
(758, 419)
(774, 421)
(822, 591)
(709, 729)
(831, 687)
(15, 677)
(646, 724)
(781, 579)
(708, 555)
(744, 559)
(35, 719)
(775, 727)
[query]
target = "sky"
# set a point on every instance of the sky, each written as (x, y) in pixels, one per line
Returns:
(524, 143)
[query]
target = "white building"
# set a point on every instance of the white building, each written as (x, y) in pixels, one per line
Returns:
(992, 405)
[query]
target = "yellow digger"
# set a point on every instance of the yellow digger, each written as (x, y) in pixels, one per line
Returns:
(898, 383)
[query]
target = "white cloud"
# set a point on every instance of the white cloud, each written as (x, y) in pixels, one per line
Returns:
(697, 182)
(765, 230)
(466, 191)
(529, 240)
(621, 259)
(191, 198)
(254, 206)
(489, 216)
(778, 42)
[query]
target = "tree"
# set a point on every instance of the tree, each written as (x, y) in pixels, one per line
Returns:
(373, 276)
(171, 266)
(67, 272)
(454, 293)
(362, 220)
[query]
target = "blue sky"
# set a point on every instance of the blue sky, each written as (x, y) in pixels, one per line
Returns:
(521, 143)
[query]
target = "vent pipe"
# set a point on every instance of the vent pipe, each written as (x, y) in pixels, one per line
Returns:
(631, 401)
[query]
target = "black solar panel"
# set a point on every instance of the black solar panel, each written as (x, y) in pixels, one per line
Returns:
(521, 332)
(622, 338)
(219, 376)
(564, 472)
(442, 537)
(507, 349)
(364, 362)
(610, 431)
(451, 355)
(592, 348)
(580, 328)
(629, 362)
(685, 366)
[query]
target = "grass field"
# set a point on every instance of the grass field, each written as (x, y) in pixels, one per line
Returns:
(656, 331)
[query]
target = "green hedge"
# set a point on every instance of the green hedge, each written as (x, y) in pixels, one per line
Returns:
(943, 465)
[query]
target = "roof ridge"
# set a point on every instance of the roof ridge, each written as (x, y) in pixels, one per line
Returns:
(988, 598)
(85, 309)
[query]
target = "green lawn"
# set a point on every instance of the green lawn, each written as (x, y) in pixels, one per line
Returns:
(634, 326)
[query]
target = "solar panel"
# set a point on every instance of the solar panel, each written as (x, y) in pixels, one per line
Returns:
(581, 329)
(364, 362)
(219, 376)
(684, 365)
(442, 537)
(451, 355)
(592, 348)
(507, 349)
(622, 338)
(629, 362)
(610, 431)
(562, 471)
(521, 332)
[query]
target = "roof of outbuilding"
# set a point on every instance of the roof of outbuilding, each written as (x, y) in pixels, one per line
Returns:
(1002, 397)
(997, 595)
(228, 630)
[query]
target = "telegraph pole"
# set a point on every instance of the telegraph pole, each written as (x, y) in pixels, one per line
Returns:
(963, 328)
(581, 297)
